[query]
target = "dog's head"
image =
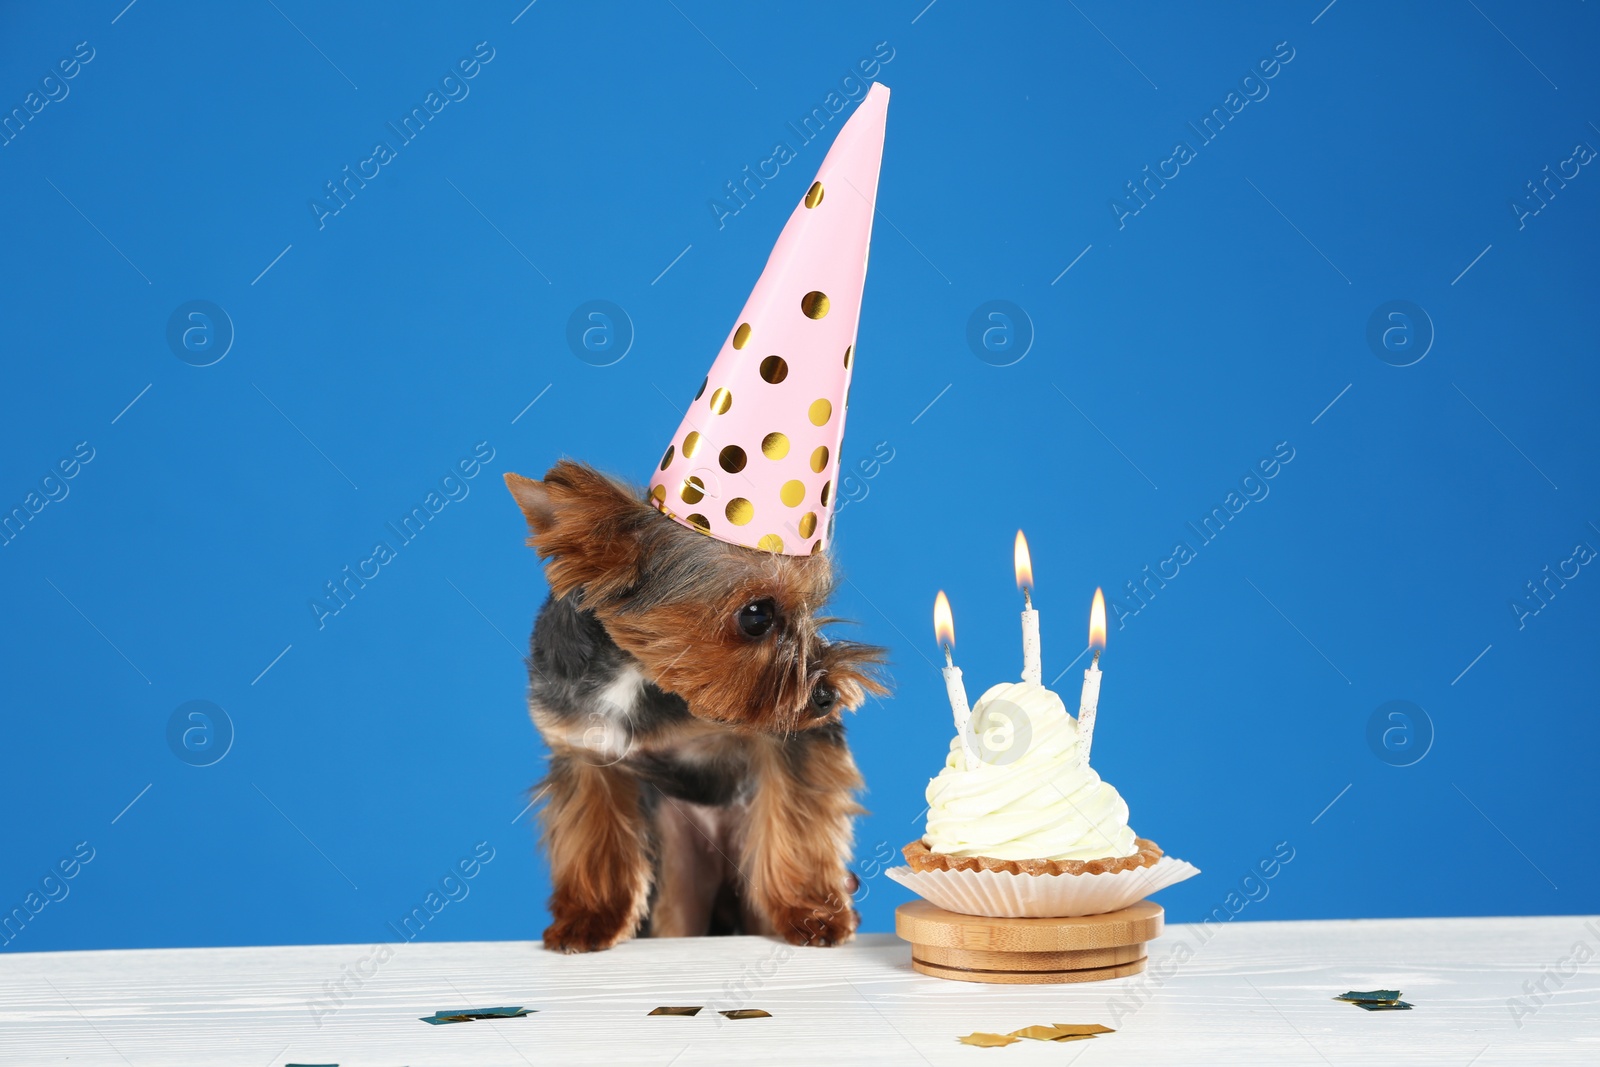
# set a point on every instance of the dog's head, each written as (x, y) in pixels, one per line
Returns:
(734, 631)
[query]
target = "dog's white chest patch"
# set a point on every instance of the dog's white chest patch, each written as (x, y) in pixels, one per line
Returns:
(621, 694)
(606, 730)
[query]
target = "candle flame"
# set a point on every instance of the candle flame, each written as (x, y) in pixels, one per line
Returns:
(944, 624)
(1097, 621)
(1024, 564)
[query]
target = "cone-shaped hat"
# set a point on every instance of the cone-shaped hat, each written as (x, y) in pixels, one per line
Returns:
(756, 460)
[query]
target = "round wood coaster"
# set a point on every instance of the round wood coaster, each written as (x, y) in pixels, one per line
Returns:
(975, 948)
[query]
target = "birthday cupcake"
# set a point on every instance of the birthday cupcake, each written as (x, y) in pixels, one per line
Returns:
(1020, 825)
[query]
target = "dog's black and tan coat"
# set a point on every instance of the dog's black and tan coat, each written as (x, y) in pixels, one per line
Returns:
(699, 779)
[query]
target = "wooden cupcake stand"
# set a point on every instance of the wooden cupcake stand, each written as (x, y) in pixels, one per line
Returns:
(973, 948)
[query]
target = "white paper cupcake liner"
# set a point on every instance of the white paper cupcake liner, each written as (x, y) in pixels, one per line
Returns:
(1002, 895)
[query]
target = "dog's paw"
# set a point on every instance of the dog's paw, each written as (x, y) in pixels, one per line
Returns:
(583, 933)
(821, 925)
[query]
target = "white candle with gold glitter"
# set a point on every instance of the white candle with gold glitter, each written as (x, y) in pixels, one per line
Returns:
(1032, 669)
(1089, 702)
(944, 629)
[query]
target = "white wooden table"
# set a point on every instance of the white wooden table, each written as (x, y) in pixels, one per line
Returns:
(1254, 993)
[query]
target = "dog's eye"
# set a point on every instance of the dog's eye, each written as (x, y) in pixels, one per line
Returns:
(756, 617)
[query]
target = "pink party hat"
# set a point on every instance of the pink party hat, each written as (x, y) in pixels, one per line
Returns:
(756, 460)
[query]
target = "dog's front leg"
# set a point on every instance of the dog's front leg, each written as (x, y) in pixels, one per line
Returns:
(797, 837)
(596, 834)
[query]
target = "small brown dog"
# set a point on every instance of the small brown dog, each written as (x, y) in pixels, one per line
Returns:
(699, 780)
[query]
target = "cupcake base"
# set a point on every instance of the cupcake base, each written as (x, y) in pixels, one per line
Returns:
(975, 948)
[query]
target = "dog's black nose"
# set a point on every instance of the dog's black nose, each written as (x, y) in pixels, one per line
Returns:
(822, 699)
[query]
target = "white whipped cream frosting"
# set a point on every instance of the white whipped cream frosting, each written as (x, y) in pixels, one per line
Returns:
(1025, 796)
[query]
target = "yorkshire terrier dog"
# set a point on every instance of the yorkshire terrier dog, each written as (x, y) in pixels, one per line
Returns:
(699, 781)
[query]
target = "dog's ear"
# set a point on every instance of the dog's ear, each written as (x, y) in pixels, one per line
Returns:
(587, 527)
(534, 499)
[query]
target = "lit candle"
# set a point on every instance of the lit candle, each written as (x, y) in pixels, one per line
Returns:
(1090, 700)
(1032, 671)
(944, 629)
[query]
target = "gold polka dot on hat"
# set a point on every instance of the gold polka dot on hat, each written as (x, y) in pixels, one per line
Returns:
(774, 370)
(815, 304)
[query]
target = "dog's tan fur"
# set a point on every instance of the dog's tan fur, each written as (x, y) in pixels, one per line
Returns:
(623, 847)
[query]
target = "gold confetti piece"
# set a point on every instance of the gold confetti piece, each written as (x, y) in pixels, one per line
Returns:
(983, 1040)
(1062, 1031)
(1383, 1005)
(746, 1013)
(677, 1011)
(1037, 1033)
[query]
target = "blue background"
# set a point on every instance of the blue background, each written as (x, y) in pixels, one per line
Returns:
(1181, 347)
